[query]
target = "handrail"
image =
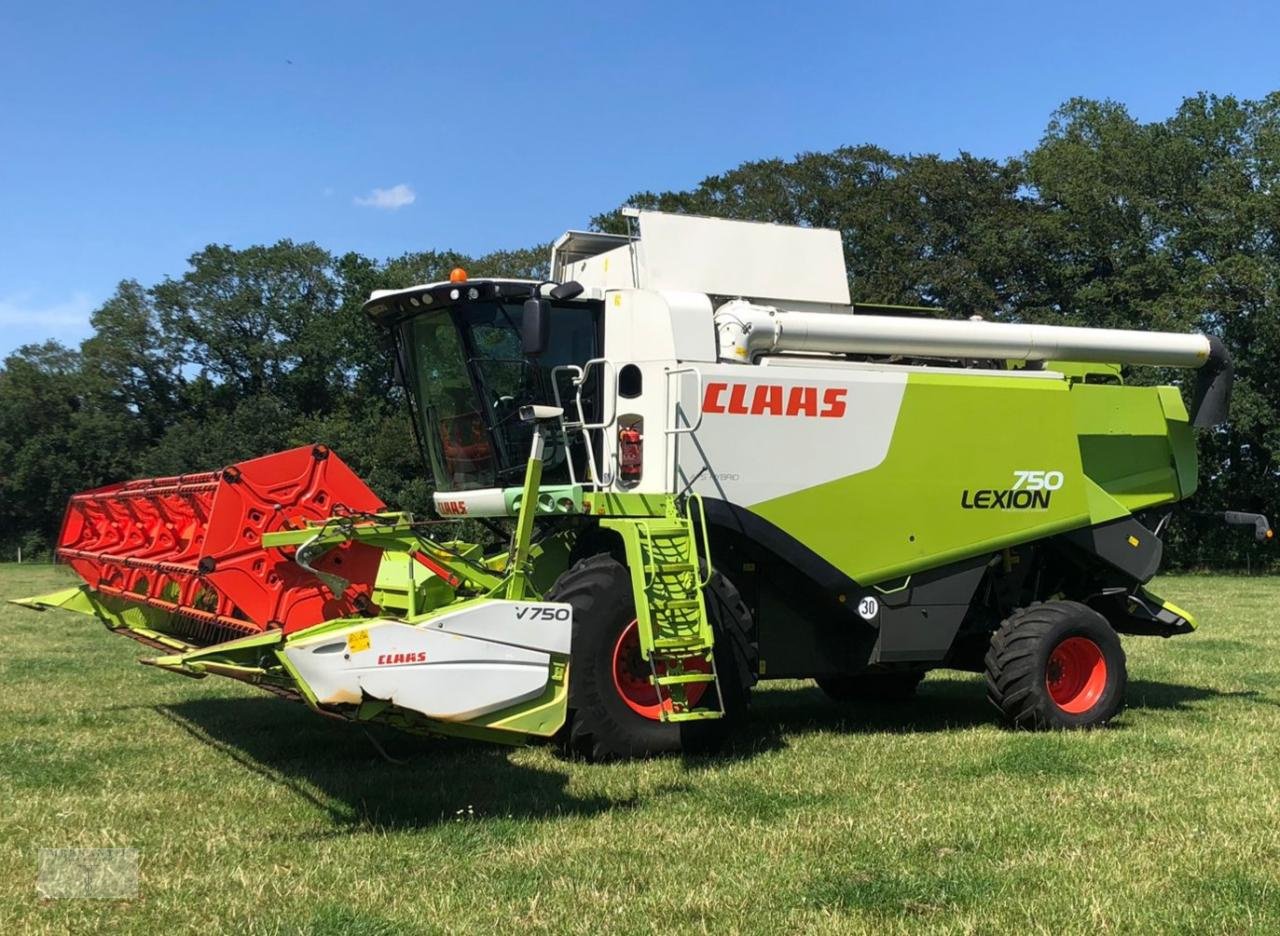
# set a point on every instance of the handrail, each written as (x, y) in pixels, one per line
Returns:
(704, 574)
(673, 429)
(610, 392)
(564, 426)
(578, 377)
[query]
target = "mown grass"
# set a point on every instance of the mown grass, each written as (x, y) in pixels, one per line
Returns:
(251, 813)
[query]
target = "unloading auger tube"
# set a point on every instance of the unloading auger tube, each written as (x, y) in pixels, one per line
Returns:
(746, 331)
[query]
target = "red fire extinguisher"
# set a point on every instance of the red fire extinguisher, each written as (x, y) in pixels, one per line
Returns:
(630, 453)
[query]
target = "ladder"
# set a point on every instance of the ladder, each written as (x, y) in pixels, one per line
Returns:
(675, 633)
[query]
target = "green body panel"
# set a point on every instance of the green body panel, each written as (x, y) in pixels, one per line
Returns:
(405, 587)
(605, 504)
(516, 584)
(1119, 449)
(1171, 607)
(150, 625)
(952, 435)
(1182, 439)
(1080, 370)
(1130, 443)
(248, 659)
(553, 500)
(394, 533)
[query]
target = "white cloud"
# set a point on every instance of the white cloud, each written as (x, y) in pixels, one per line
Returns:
(388, 199)
(25, 319)
(19, 312)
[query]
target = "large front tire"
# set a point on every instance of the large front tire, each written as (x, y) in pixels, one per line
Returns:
(610, 712)
(1056, 665)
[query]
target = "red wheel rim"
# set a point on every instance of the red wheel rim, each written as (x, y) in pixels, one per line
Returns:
(1076, 675)
(631, 677)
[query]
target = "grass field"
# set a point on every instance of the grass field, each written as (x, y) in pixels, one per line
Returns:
(250, 812)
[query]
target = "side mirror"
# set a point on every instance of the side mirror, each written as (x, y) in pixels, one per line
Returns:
(535, 329)
(569, 290)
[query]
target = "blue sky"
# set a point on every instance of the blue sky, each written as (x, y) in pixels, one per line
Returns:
(132, 134)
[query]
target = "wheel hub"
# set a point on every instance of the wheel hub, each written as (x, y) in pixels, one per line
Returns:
(1076, 675)
(631, 677)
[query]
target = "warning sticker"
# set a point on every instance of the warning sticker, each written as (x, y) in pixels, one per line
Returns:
(357, 641)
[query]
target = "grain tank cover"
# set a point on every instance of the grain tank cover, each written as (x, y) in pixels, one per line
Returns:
(709, 255)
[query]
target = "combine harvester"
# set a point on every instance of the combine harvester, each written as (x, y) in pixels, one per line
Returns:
(700, 466)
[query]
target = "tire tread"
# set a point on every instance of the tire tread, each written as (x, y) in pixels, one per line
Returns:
(1013, 673)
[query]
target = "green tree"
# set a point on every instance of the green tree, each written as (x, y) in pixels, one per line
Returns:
(56, 437)
(260, 320)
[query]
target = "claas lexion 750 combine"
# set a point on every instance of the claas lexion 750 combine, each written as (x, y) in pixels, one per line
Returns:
(700, 466)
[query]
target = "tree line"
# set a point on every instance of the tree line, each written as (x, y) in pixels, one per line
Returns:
(1108, 221)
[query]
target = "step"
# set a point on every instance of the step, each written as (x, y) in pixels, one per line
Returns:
(695, 715)
(670, 532)
(686, 646)
(687, 650)
(671, 568)
(673, 604)
(682, 679)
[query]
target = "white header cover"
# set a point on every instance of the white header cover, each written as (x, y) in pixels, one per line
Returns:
(741, 258)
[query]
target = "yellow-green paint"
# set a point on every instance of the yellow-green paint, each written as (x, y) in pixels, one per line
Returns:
(1119, 449)
(518, 564)
(665, 559)
(1170, 606)
(1128, 445)
(149, 623)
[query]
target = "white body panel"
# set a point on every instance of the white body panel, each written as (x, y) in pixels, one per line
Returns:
(538, 625)
(769, 431)
(456, 667)
(485, 502)
(713, 256)
(641, 325)
(741, 258)
(750, 457)
(613, 269)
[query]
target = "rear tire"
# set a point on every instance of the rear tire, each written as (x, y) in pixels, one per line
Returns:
(871, 687)
(1056, 665)
(602, 724)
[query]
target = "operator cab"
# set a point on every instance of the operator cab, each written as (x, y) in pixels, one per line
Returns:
(460, 357)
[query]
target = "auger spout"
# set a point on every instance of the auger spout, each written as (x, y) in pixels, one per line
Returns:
(747, 330)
